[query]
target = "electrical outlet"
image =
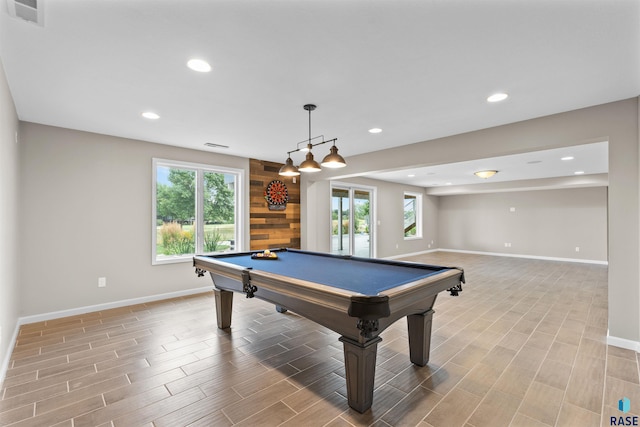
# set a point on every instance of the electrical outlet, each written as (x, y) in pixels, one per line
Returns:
(102, 282)
(577, 248)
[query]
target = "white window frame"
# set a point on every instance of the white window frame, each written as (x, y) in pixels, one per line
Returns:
(418, 214)
(200, 170)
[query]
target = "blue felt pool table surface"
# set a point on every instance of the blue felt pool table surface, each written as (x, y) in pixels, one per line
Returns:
(362, 275)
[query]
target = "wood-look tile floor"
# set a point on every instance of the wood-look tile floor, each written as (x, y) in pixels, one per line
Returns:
(523, 345)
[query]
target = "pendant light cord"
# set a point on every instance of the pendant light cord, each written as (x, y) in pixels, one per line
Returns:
(309, 128)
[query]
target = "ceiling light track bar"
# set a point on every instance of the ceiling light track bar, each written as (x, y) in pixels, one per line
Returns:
(312, 145)
(306, 141)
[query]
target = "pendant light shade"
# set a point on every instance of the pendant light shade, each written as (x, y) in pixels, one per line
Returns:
(333, 159)
(309, 165)
(289, 169)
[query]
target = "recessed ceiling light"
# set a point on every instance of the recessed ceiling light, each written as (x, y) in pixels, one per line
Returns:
(411, 175)
(150, 115)
(449, 183)
(485, 174)
(578, 173)
(497, 97)
(375, 130)
(567, 158)
(199, 65)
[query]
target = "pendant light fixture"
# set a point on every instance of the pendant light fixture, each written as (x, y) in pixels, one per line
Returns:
(332, 160)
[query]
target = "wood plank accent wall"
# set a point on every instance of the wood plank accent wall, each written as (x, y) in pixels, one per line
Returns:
(272, 229)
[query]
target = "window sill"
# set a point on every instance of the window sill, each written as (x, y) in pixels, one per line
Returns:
(173, 259)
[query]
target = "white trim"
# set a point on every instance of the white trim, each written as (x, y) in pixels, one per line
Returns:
(585, 261)
(108, 305)
(412, 254)
(5, 363)
(547, 258)
(623, 343)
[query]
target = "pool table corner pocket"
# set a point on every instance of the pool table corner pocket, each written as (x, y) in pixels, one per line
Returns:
(369, 310)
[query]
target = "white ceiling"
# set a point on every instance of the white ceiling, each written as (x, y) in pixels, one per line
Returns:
(417, 69)
(585, 159)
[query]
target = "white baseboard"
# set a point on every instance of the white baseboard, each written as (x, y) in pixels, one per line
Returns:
(623, 343)
(108, 305)
(88, 309)
(585, 261)
(5, 363)
(412, 254)
(546, 258)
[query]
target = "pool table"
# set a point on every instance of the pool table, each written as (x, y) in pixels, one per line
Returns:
(356, 297)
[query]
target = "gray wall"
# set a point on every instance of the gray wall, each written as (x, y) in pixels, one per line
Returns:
(550, 223)
(389, 214)
(9, 226)
(546, 223)
(86, 213)
(616, 122)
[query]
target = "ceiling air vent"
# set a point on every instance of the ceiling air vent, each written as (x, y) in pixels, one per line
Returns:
(212, 145)
(28, 10)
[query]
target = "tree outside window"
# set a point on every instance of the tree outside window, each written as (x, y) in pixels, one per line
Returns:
(194, 210)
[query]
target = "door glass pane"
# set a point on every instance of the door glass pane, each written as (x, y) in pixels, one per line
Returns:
(175, 211)
(362, 223)
(219, 212)
(340, 221)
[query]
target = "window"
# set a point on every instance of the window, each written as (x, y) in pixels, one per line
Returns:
(196, 209)
(412, 215)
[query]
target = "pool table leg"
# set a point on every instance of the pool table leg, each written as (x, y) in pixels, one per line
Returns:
(419, 326)
(360, 368)
(224, 304)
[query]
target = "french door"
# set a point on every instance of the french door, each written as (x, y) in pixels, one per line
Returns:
(352, 221)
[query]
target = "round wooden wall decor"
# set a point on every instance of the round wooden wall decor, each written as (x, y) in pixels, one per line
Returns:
(277, 195)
